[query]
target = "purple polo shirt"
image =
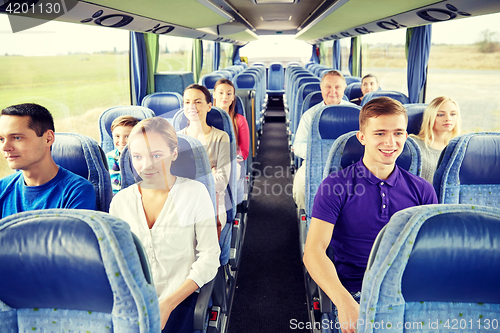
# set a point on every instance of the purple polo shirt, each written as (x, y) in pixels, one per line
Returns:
(359, 204)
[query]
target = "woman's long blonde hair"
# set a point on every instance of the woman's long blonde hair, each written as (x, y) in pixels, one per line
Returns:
(232, 107)
(430, 113)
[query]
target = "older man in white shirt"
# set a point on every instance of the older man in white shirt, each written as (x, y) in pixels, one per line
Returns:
(332, 90)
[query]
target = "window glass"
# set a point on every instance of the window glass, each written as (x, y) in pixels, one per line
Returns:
(345, 48)
(208, 57)
(383, 55)
(326, 52)
(282, 48)
(464, 64)
(226, 53)
(73, 70)
(175, 54)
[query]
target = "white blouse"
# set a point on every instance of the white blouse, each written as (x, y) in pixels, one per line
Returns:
(182, 244)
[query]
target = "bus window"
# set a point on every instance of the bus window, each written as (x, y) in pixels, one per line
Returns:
(75, 71)
(282, 48)
(226, 53)
(326, 53)
(465, 66)
(345, 48)
(175, 54)
(208, 57)
(384, 56)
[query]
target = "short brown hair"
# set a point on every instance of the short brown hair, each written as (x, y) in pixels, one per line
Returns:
(124, 121)
(378, 107)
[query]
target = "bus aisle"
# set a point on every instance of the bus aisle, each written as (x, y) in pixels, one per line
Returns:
(270, 294)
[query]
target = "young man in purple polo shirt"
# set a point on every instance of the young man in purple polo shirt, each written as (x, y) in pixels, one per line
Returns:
(358, 201)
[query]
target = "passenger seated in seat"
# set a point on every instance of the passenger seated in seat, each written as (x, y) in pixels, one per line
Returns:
(332, 90)
(197, 104)
(440, 123)
(26, 137)
(224, 98)
(120, 129)
(352, 205)
(174, 219)
(369, 83)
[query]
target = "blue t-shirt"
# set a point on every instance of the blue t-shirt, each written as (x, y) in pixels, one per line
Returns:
(65, 190)
(113, 158)
(359, 205)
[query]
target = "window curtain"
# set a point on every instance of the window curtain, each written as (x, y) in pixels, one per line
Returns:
(152, 51)
(418, 46)
(315, 55)
(336, 55)
(197, 59)
(236, 54)
(216, 56)
(138, 67)
(355, 56)
(143, 63)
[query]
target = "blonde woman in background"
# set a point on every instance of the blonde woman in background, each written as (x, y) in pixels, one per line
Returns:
(440, 123)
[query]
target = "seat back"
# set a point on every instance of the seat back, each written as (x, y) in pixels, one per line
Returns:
(304, 90)
(163, 104)
(209, 80)
(348, 150)
(82, 155)
(353, 90)
(328, 124)
(80, 271)
(107, 117)
(435, 266)
(276, 80)
(469, 170)
(385, 93)
(352, 79)
(415, 113)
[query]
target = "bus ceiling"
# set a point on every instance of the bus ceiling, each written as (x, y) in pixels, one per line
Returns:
(242, 21)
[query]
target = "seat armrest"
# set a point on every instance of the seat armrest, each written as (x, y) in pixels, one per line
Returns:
(326, 305)
(201, 308)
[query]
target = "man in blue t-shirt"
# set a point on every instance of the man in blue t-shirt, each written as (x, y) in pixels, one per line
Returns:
(26, 137)
(357, 202)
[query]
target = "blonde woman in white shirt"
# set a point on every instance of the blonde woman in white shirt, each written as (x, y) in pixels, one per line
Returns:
(175, 220)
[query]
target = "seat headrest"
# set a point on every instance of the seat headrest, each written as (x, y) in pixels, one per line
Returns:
(67, 151)
(309, 88)
(415, 115)
(481, 163)
(354, 150)
(455, 258)
(336, 120)
(184, 165)
(54, 262)
(163, 104)
(245, 81)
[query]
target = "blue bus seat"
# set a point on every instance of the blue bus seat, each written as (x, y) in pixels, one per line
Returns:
(107, 117)
(415, 113)
(431, 267)
(347, 150)
(173, 81)
(469, 170)
(248, 81)
(82, 155)
(352, 79)
(387, 93)
(209, 80)
(80, 271)
(276, 79)
(353, 90)
(163, 104)
(328, 124)
(304, 91)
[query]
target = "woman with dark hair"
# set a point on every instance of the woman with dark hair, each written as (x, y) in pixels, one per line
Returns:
(197, 104)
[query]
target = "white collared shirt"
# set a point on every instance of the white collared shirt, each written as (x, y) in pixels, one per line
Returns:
(182, 244)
